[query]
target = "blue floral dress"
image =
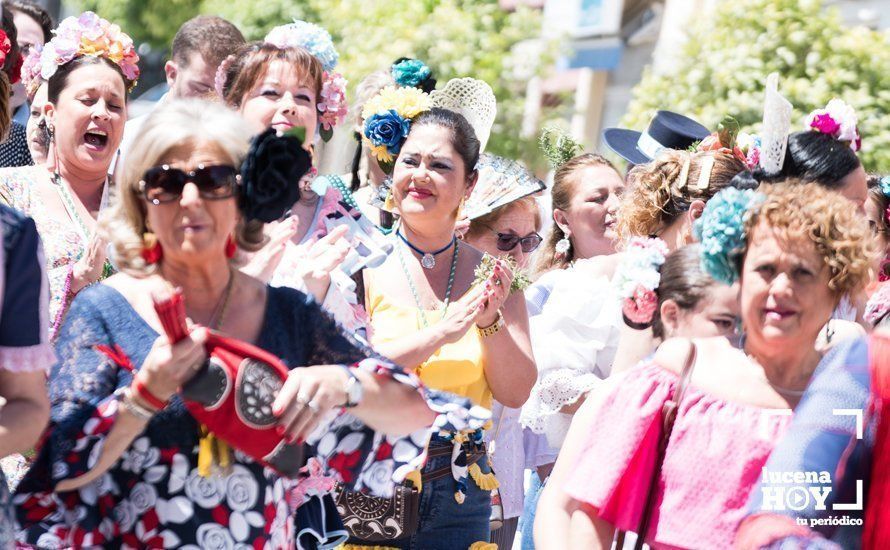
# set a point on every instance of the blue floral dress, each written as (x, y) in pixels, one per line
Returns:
(24, 343)
(154, 496)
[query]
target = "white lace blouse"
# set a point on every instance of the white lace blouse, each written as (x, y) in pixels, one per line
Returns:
(574, 319)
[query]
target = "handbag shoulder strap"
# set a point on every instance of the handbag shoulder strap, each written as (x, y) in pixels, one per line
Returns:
(668, 415)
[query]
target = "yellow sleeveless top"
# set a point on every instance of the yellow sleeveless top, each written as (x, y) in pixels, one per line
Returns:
(457, 368)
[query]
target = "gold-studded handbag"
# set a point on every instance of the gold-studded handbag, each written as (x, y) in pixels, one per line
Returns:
(375, 519)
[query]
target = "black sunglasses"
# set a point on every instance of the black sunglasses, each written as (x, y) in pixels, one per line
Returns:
(508, 241)
(162, 184)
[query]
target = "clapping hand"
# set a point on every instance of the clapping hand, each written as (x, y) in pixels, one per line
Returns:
(264, 263)
(88, 269)
(324, 256)
(497, 290)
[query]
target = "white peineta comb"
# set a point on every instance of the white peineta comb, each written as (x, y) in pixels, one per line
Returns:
(472, 98)
(776, 125)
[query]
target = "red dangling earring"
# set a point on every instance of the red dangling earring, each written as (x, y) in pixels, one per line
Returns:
(230, 247)
(152, 252)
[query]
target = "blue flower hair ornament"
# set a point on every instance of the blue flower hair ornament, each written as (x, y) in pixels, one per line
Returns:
(413, 73)
(721, 232)
(885, 186)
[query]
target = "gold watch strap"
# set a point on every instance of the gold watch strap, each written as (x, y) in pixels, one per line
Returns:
(493, 328)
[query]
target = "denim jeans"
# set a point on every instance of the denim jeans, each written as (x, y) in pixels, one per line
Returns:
(527, 523)
(445, 524)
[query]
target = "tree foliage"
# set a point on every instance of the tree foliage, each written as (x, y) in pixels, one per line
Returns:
(454, 37)
(730, 52)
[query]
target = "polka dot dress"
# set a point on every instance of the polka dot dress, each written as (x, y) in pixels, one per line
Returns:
(14, 151)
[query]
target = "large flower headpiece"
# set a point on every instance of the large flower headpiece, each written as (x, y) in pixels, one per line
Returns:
(87, 34)
(5, 49)
(721, 232)
(332, 105)
(31, 70)
(388, 116)
(637, 278)
(837, 119)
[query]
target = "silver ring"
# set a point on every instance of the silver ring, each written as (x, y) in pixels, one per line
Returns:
(313, 406)
(302, 400)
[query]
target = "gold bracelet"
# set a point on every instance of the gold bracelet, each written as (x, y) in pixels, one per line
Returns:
(493, 328)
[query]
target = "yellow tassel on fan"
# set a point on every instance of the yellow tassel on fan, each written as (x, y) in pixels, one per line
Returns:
(205, 452)
(213, 451)
(481, 545)
(486, 482)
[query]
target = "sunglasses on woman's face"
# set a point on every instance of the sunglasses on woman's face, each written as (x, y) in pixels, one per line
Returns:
(508, 241)
(163, 184)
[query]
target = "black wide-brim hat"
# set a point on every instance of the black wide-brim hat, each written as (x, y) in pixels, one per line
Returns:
(667, 130)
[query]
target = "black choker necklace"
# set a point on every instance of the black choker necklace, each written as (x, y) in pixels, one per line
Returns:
(427, 259)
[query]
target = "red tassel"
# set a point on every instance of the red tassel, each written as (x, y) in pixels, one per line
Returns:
(116, 354)
(230, 247)
(152, 252)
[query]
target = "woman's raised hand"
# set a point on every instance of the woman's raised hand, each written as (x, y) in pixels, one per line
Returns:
(88, 269)
(168, 366)
(497, 290)
(461, 315)
(264, 263)
(324, 256)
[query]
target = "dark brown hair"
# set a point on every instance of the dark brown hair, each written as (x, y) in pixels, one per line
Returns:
(58, 81)
(683, 281)
(252, 61)
(564, 188)
(212, 37)
(463, 137)
(36, 12)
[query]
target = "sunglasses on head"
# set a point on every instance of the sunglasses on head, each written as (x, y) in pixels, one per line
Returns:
(508, 241)
(162, 184)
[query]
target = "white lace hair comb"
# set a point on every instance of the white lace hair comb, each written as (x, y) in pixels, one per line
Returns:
(472, 98)
(776, 126)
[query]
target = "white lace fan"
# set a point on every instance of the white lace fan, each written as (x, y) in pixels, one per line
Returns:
(776, 125)
(501, 181)
(472, 98)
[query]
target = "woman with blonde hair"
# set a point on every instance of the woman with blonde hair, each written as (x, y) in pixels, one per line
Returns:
(125, 462)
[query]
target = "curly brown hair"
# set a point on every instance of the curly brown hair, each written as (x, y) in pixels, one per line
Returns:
(797, 210)
(657, 197)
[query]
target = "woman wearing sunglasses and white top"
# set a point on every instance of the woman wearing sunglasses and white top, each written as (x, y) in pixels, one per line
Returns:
(510, 230)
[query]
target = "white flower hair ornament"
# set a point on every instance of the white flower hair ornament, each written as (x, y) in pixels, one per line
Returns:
(837, 119)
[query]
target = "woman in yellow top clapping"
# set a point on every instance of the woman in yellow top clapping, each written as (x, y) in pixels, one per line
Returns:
(427, 314)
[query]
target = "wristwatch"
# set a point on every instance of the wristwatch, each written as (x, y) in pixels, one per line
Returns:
(353, 389)
(491, 329)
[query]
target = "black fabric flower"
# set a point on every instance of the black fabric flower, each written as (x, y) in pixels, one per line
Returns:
(271, 174)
